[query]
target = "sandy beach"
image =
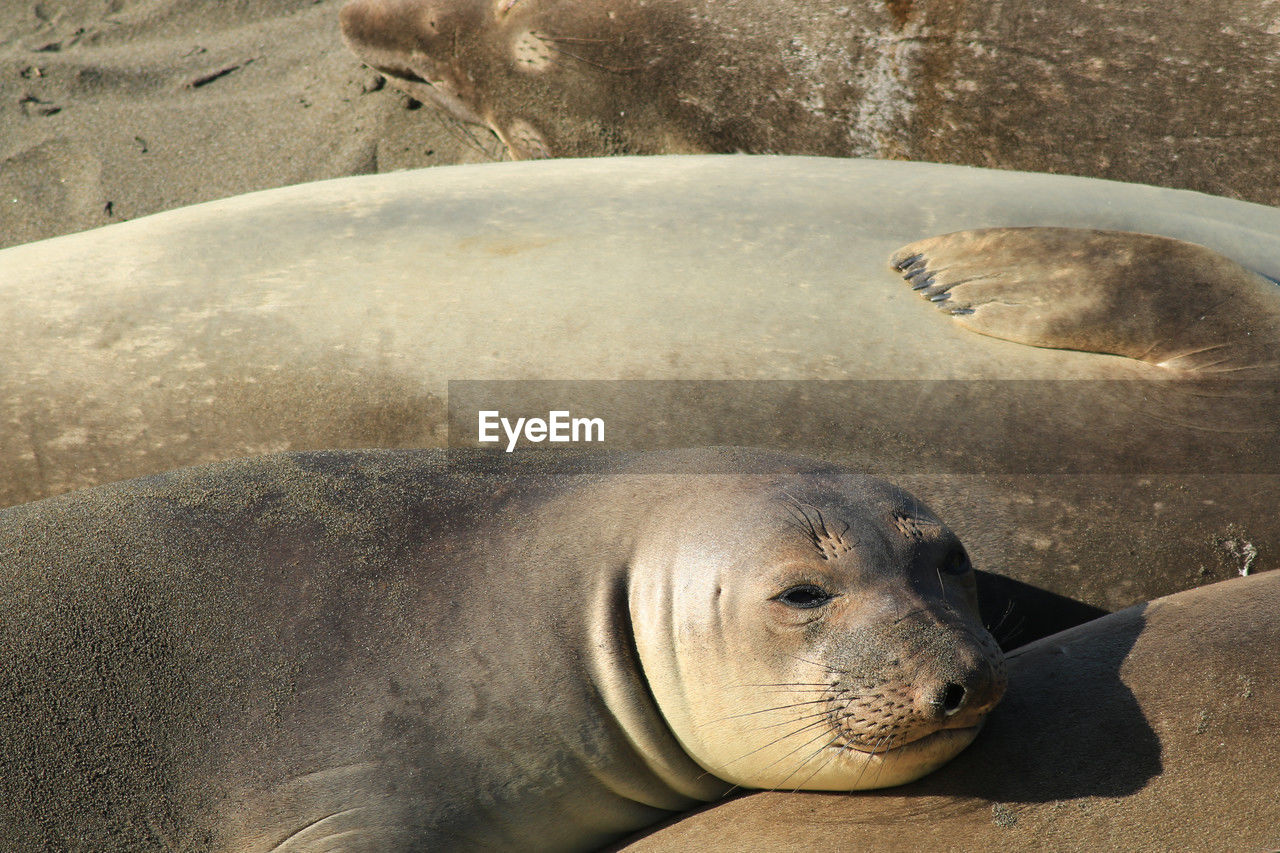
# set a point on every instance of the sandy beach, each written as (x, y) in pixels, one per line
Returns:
(114, 109)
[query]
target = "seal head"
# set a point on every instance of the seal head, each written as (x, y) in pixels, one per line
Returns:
(838, 648)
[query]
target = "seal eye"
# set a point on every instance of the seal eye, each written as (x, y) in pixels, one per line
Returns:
(804, 596)
(956, 563)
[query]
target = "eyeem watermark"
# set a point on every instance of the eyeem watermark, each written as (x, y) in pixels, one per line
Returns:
(892, 427)
(558, 426)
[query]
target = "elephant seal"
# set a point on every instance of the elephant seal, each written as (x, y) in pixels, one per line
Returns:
(409, 650)
(1153, 728)
(334, 315)
(1184, 98)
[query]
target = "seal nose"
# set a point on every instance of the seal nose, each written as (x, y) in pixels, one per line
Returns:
(960, 702)
(953, 698)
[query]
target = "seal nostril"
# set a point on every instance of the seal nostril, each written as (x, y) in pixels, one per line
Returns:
(953, 699)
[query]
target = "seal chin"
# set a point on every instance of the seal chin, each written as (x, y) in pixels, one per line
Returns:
(845, 768)
(908, 762)
(853, 769)
(956, 739)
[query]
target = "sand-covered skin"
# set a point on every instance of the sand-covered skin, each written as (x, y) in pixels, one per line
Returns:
(113, 109)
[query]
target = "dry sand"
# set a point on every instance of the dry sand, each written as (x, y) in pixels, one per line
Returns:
(113, 109)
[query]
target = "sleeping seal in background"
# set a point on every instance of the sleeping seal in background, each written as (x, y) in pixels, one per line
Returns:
(389, 650)
(1184, 96)
(335, 314)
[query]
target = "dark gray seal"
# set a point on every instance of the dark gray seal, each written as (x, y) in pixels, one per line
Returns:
(396, 650)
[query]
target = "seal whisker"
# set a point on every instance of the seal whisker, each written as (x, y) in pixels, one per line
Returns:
(453, 127)
(800, 514)
(875, 750)
(827, 667)
(791, 751)
(909, 614)
(823, 766)
(808, 522)
(1013, 631)
(573, 39)
(1008, 609)
(767, 726)
(550, 42)
(803, 528)
(763, 711)
(779, 740)
(806, 760)
(888, 743)
(822, 522)
(804, 728)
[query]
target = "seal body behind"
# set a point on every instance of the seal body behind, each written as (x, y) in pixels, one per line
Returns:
(1184, 97)
(336, 314)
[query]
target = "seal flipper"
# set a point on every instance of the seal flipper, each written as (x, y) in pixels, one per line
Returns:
(1163, 301)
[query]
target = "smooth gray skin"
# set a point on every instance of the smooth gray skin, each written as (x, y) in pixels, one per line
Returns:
(1156, 728)
(403, 650)
(1185, 95)
(333, 314)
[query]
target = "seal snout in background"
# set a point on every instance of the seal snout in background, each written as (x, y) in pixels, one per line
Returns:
(410, 43)
(420, 650)
(506, 64)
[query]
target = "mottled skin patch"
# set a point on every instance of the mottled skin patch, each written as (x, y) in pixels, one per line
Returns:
(1184, 95)
(531, 52)
(643, 79)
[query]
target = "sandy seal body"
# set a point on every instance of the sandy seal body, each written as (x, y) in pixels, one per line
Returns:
(1183, 98)
(335, 314)
(1150, 728)
(393, 650)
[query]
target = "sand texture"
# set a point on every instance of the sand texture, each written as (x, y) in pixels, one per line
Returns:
(113, 109)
